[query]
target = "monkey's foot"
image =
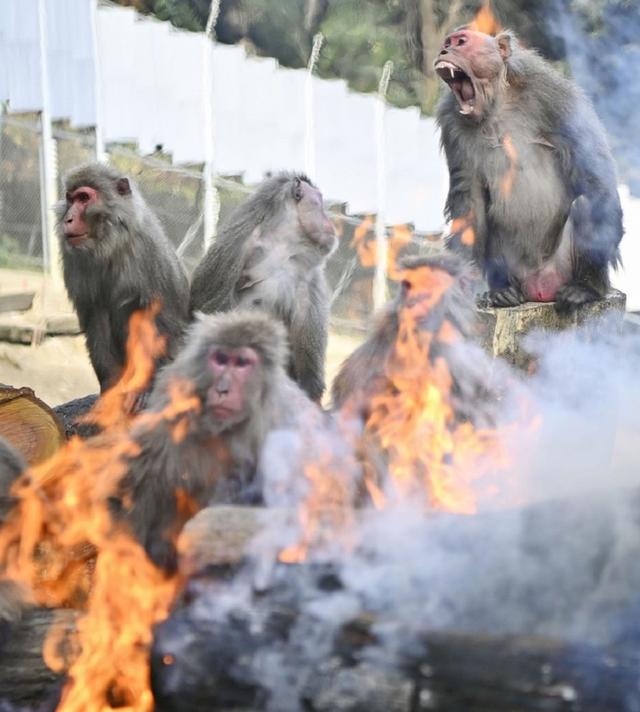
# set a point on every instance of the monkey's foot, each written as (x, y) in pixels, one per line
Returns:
(508, 297)
(573, 296)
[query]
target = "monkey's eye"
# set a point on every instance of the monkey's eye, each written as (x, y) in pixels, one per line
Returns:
(220, 357)
(406, 285)
(68, 198)
(461, 41)
(297, 191)
(242, 362)
(83, 197)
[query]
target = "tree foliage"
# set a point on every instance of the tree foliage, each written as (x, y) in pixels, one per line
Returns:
(361, 35)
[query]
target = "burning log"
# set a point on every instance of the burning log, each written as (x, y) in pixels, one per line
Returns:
(452, 672)
(24, 676)
(530, 609)
(502, 331)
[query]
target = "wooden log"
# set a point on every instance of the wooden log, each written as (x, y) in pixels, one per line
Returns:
(18, 301)
(556, 566)
(222, 666)
(219, 536)
(502, 331)
(29, 424)
(20, 329)
(24, 676)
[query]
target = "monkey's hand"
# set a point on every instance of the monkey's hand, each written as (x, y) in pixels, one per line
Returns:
(573, 296)
(507, 297)
(164, 554)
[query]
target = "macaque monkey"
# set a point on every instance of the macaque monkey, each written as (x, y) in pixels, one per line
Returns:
(271, 255)
(533, 190)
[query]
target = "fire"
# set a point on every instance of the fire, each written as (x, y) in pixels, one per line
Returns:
(512, 156)
(431, 451)
(417, 445)
(463, 226)
(366, 247)
(326, 515)
(61, 542)
(485, 21)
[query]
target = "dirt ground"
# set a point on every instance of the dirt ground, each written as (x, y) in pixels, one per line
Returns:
(58, 368)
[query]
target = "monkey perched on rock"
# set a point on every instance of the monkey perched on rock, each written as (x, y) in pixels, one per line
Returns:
(230, 379)
(117, 259)
(532, 181)
(271, 255)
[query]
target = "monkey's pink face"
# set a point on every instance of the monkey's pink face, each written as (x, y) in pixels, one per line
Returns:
(315, 222)
(74, 222)
(470, 63)
(235, 374)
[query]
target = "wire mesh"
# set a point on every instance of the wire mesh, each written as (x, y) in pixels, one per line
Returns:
(174, 193)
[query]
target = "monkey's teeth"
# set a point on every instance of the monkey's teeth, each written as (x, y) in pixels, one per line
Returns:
(452, 72)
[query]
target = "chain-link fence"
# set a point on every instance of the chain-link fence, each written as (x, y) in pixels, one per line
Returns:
(175, 194)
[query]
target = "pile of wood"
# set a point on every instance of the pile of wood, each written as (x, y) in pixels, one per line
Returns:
(243, 660)
(29, 424)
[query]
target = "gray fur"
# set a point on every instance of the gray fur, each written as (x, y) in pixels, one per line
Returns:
(563, 209)
(263, 258)
(126, 265)
(12, 595)
(211, 464)
(363, 374)
(12, 465)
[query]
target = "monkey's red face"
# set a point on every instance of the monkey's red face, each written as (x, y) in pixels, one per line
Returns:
(471, 64)
(235, 375)
(74, 222)
(315, 222)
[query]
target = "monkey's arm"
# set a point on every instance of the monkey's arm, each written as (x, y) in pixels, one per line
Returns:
(107, 356)
(596, 214)
(152, 511)
(463, 207)
(214, 280)
(308, 337)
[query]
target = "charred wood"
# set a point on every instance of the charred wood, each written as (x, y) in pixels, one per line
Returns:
(25, 679)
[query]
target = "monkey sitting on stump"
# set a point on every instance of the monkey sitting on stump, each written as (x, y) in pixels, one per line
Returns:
(116, 260)
(533, 188)
(232, 368)
(271, 255)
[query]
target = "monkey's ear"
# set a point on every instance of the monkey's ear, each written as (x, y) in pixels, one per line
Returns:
(504, 45)
(123, 187)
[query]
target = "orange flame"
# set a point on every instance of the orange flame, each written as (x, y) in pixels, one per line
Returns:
(512, 156)
(366, 248)
(61, 541)
(464, 228)
(414, 420)
(485, 21)
(325, 515)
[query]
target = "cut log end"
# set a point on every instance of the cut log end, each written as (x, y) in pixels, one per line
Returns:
(29, 424)
(502, 331)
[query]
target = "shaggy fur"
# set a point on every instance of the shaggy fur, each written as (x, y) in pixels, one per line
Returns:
(126, 264)
(534, 177)
(264, 257)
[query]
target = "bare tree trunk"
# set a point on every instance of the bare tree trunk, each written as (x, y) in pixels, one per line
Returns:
(314, 12)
